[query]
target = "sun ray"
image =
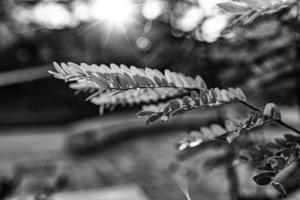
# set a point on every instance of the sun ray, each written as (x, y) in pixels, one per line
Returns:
(108, 34)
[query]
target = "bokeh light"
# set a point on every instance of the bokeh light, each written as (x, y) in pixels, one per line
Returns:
(203, 19)
(81, 10)
(212, 27)
(153, 9)
(115, 12)
(190, 20)
(53, 15)
(143, 43)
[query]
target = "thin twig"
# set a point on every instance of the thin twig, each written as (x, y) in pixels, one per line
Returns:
(218, 140)
(278, 121)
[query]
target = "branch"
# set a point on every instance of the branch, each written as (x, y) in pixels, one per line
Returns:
(277, 120)
(217, 135)
(231, 131)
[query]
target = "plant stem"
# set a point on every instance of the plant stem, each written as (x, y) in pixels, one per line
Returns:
(278, 121)
(287, 126)
(233, 182)
(232, 177)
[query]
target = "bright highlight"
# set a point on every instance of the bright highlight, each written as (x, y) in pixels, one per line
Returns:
(112, 11)
(153, 9)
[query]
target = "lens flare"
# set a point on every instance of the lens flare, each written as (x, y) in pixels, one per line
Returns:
(112, 11)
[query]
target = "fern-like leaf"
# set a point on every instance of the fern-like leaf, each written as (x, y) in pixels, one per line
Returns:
(287, 152)
(249, 10)
(117, 85)
(201, 99)
(231, 130)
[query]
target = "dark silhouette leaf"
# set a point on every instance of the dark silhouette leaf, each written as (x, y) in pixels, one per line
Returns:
(264, 178)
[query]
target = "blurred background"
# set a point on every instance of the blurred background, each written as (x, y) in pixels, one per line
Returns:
(49, 136)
